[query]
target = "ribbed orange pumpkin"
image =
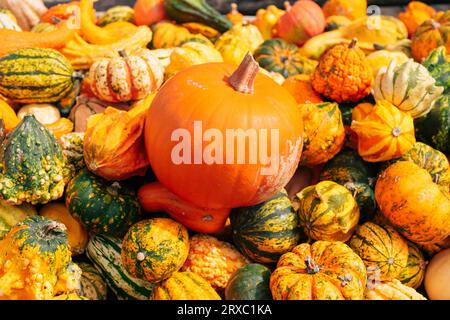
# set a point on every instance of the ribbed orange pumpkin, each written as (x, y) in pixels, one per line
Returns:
(416, 206)
(125, 78)
(385, 133)
(430, 35)
(351, 9)
(302, 21)
(222, 100)
(114, 145)
(321, 271)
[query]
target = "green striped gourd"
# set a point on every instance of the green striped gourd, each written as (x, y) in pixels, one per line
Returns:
(266, 231)
(8, 20)
(43, 27)
(117, 13)
(104, 253)
(438, 64)
(10, 215)
(250, 282)
(92, 285)
(349, 170)
(327, 211)
(277, 55)
(35, 75)
(414, 272)
(434, 128)
(409, 86)
(382, 249)
(102, 206)
(32, 168)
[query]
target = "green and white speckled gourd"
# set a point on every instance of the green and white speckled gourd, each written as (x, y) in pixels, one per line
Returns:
(32, 166)
(408, 86)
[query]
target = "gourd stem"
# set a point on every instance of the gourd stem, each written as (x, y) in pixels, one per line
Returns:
(311, 266)
(77, 75)
(234, 8)
(122, 53)
(243, 78)
(287, 5)
(53, 226)
(434, 24)
(396, 132)
(353, 43)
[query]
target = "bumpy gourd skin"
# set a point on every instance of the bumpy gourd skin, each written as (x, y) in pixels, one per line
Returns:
(343, 74)
(35, 261)
(32, 168)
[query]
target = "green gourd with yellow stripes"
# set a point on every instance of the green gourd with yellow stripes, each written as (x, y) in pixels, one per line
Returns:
(266, 231)
(414, 272)
(35, 75)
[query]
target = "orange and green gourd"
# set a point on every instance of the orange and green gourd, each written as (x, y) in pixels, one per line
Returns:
(32, 168)
(327, 211)
(321, 271)
(383, 250)
(185, 286)
(343, 73)
(101, 206)
(154, 249)
(324, 132)
(414, 272)
(35, 261)
(279, 56)
(266, 231)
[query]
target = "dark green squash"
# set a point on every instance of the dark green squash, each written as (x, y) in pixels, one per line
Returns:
(266, 231)
(196, 11)
(251, 282)
(438, 64)
(277, 55)
(434, 128)
(102, 207)
(32, 166)
(66, 104)
(348, 169)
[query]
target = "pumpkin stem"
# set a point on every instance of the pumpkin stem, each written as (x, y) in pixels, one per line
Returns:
(113, 189)
(56, 19)
(311, 266)
(234, 8)
(243, 78)
(287, 5)
(77, 75)
(353, 43)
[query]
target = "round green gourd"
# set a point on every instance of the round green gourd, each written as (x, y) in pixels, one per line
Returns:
(102, 207)
(266, 231)
(434, 128)
(438, 64)
(349, 170)
(279, 56)
(251, 282)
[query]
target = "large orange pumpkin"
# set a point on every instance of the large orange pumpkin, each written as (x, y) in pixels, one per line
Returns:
(302, 21)
(190, 119)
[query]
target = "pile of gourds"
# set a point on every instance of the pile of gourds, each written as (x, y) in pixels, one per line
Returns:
(103, 195)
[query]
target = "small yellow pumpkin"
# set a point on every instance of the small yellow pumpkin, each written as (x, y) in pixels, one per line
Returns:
(382, 58)
(8, 115)
(266, 20)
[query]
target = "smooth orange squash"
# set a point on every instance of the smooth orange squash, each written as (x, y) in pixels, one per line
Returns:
(61, 11)
(155, 197)
(8, 115)
(187, 127)
(11, 40)
(93, 33)
(148, 12)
